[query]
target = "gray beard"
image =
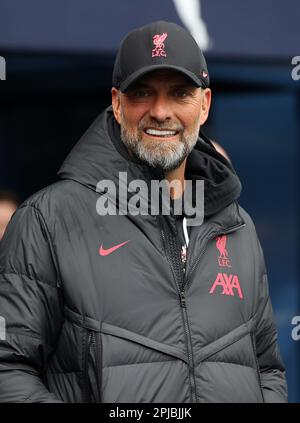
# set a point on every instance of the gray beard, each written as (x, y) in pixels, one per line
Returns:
(167, 156)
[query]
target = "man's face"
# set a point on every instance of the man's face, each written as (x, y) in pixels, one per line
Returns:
(160, 117)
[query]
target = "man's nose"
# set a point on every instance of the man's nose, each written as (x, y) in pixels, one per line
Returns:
(161, 109)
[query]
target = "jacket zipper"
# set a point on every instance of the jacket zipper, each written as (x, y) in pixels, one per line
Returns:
(92, 343)
(181, 293)
(189, 346)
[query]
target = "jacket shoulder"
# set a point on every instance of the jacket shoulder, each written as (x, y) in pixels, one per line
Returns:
(51, 195)
(246, 217)
(254, 238)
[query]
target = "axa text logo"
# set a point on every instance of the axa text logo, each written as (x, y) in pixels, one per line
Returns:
(229, 283)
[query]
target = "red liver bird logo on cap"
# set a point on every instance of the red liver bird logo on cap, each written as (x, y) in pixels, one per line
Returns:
(158, 41)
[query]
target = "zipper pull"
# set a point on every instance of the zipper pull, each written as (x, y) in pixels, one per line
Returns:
(182, 299)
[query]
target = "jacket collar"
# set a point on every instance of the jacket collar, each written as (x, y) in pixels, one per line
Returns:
(100, 154)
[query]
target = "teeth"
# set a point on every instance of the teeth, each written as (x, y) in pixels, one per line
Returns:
(159, 132)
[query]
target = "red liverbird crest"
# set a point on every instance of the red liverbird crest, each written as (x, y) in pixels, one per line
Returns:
(158, 41)
(221, 246)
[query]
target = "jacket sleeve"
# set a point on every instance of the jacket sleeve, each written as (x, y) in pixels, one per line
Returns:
(30, 307)
(271, 368)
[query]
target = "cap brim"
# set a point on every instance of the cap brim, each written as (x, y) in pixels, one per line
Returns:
(147, 69)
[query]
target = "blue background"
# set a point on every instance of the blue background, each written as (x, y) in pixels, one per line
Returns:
(248, 27)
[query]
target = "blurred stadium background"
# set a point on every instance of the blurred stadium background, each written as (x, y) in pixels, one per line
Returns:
(59, 57)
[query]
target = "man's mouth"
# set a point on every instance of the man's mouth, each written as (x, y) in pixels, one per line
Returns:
(164, 133)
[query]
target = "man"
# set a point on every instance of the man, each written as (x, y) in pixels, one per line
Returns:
(8, 205)
(140, 307)
(221, 150)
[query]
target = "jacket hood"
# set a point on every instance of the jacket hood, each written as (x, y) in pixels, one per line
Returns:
(101, 155)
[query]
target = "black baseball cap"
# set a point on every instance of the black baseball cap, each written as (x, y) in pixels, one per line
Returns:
(159, 45)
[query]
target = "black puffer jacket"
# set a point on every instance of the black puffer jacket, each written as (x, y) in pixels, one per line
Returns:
(129, 326)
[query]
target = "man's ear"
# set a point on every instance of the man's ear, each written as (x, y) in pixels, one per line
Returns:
(116, 104)
(205, 105)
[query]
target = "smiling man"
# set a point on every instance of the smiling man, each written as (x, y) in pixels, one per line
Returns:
(140, 307)
(160, 117)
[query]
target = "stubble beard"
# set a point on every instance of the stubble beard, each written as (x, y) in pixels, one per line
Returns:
(166, 155)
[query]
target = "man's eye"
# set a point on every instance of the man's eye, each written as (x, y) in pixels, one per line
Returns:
(141, 93)
(181, 93)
